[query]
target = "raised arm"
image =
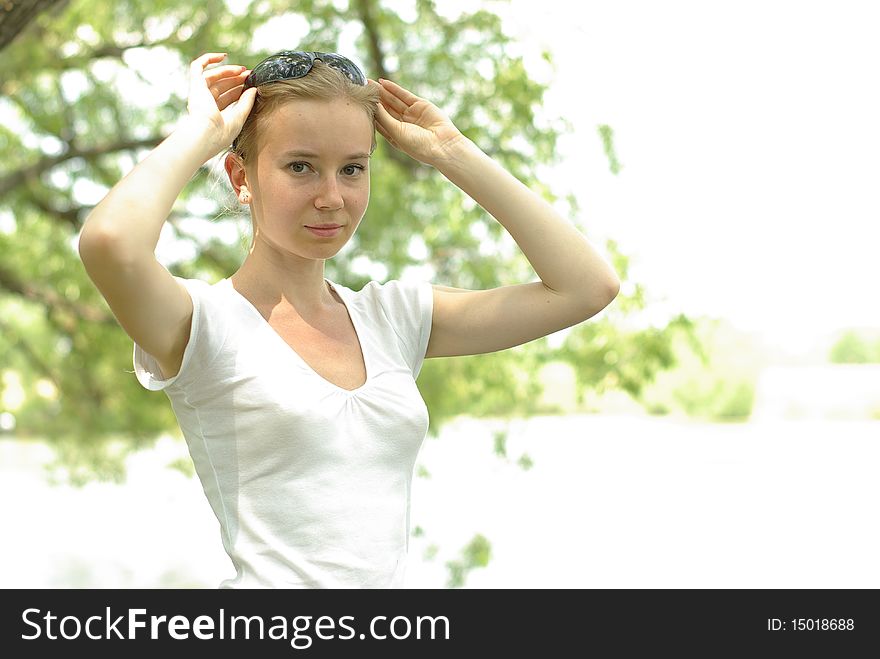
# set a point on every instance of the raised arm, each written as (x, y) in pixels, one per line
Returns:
(576, 282)
(118, 240)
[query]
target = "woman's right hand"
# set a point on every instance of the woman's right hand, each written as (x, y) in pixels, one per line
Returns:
(216, 99)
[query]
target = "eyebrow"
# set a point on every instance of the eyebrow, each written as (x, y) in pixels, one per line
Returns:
(310, 154)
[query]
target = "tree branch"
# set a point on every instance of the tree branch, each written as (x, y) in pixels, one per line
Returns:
(84, 59)
(16, 16)
(51, 299)
(46, 163)
(63, 215)
(365, 13)
(30, 354)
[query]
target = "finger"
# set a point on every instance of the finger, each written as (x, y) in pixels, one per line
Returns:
(199, 63)
(392, 112)
(384, 133)
(209, 57)
(220, 72)
(403, 94)
(390, 109)
(380, 125)
(223, 85)
(385, 119)
(228, 97)
(392, 102)
(241, 106)
(388, 127)
(197, 67)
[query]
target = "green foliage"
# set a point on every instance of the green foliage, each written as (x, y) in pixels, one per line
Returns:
(855, 347)
(474, 555)
(184, 466)
(500, 439)
(499, 384)
(607, 135)
(715, 383)
(76, 134)
(719, 400)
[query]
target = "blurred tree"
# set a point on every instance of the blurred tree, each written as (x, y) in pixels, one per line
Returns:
(81, 103)
(714, 379)
(855, 347)
(474, 555)
(16, 16)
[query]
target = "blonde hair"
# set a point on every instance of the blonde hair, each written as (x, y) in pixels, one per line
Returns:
(321, 83)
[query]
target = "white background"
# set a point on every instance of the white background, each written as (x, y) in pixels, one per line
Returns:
(611, 502)
(748, 134)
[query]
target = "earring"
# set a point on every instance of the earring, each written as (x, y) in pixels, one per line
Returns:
(245, 197)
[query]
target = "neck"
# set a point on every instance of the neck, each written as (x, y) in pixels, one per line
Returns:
(291, 281)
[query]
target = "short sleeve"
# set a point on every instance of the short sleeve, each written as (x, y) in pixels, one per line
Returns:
(410, 306)
(206, 336)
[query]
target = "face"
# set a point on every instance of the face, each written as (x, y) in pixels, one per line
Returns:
(312, 170)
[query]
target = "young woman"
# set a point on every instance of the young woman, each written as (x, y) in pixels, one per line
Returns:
(295, 394)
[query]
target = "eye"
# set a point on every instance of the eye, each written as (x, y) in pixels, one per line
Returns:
(353, 170)
(298, 167)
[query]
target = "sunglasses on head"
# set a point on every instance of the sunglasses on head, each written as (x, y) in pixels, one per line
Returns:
(289, 64)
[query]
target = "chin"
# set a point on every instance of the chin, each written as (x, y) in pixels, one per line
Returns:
(326, 251)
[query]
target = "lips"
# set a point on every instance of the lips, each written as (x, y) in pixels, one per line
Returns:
(325, 230)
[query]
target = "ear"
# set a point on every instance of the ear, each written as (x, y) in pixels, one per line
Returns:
(236, 172)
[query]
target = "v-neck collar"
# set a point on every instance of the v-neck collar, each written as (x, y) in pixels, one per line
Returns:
(342, 292)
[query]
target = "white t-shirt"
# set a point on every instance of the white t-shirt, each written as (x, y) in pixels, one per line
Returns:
(310, 482)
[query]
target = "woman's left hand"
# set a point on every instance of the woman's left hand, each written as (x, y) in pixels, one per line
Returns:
(413, 125)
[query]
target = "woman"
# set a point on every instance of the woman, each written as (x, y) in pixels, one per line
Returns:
(297, 395)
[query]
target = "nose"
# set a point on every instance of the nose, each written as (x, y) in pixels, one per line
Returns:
(328, 196)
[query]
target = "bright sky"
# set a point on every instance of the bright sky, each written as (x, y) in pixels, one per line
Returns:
(748, 134)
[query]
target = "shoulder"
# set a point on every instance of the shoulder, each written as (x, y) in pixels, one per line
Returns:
(396, 294)
(197, 285)
(204, 291)
(385, 289)
(212, 303)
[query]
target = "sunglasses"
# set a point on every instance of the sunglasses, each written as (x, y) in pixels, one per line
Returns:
(289, 64)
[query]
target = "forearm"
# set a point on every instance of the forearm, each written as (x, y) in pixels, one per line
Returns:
(131, 215)
(561, 256)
